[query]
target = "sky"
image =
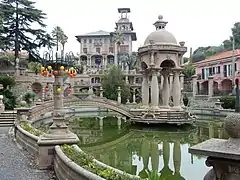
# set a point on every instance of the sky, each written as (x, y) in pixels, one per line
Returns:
(197, 22)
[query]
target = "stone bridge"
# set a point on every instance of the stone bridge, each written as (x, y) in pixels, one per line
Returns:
(39, 110)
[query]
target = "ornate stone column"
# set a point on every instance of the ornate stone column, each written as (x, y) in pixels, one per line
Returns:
(210, 86)
(166, 91)
(182, 81)
(194, 85)
(2, 107)
(119, 100)
(101, 92)
(155, 88)
(58, 132)
(161, 84)
(145, 90)
(171, 83)
(101, 123)
(176, 89)
(126, 79)
(134, 96)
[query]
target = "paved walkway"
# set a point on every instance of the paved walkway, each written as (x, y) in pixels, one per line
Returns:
(17, 164)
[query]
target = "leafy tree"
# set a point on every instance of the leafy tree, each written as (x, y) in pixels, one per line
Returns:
(189, 71)
(131, 60)
(7, 82)
(18, 16)
(35, 67)
(111, 81)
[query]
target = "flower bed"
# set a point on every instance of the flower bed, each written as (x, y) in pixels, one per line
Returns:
(89, 163)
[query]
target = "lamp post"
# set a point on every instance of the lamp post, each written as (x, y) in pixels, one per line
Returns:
(237, 103)
(56, 65)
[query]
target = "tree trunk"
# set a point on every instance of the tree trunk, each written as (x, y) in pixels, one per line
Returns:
(118, 52)
(16, 36)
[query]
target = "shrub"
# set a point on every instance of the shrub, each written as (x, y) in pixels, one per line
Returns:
(228, 102)
(30, 129)
(9, 99)
(86, 161)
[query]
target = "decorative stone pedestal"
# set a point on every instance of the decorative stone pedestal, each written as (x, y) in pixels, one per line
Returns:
(58, 134)
(223, 155)
(2, 107)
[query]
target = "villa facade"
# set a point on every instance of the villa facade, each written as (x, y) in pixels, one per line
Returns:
(218, 67)
(98, 51)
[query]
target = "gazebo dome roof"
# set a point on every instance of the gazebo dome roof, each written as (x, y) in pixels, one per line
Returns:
(160, 36)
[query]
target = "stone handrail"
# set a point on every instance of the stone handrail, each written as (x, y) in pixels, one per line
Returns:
(27, 140)
(47, 106)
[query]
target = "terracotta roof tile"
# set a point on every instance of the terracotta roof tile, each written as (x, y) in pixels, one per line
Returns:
(222, 55)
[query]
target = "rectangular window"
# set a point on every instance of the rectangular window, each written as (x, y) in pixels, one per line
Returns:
(235, 66)
(219, 70)
(225, 70)
(213, 70)
(124, 48)
(210, 71)
(85, 50)
(84, 41)
(111, 49)
(203, 75)
(90, 41)
(98, 50)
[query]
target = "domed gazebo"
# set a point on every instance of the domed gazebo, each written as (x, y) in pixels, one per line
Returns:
(160, 57)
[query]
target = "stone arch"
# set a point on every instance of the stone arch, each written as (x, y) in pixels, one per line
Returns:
(168, 63)
(83, 90)
(204, 89)
(37, 88)
(144, 65)
(215, 87)
(97, 60)
(110, 59)
(226, 86)
(83, 59)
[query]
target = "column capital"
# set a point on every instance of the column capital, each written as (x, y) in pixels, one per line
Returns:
(177, 70)
(194, 76)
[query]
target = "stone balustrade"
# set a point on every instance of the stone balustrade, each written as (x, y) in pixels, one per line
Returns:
(223, 155)
(27, 140)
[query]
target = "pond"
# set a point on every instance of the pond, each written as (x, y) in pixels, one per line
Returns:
(137, 149)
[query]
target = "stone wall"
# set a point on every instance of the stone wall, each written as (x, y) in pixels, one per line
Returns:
(26, 140)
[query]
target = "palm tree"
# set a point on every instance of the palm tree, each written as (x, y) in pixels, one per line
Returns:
(57, 33)
(63, 40)
(118, 39)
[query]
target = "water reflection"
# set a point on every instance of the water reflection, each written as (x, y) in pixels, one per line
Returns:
(137, 150)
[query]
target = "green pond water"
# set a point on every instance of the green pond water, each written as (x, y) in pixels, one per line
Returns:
(137, 149)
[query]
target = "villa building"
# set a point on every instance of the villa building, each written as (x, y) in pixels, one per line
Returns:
(98, 51)
(219, 68)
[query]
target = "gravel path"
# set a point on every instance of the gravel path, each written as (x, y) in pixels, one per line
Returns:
(17, 164)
